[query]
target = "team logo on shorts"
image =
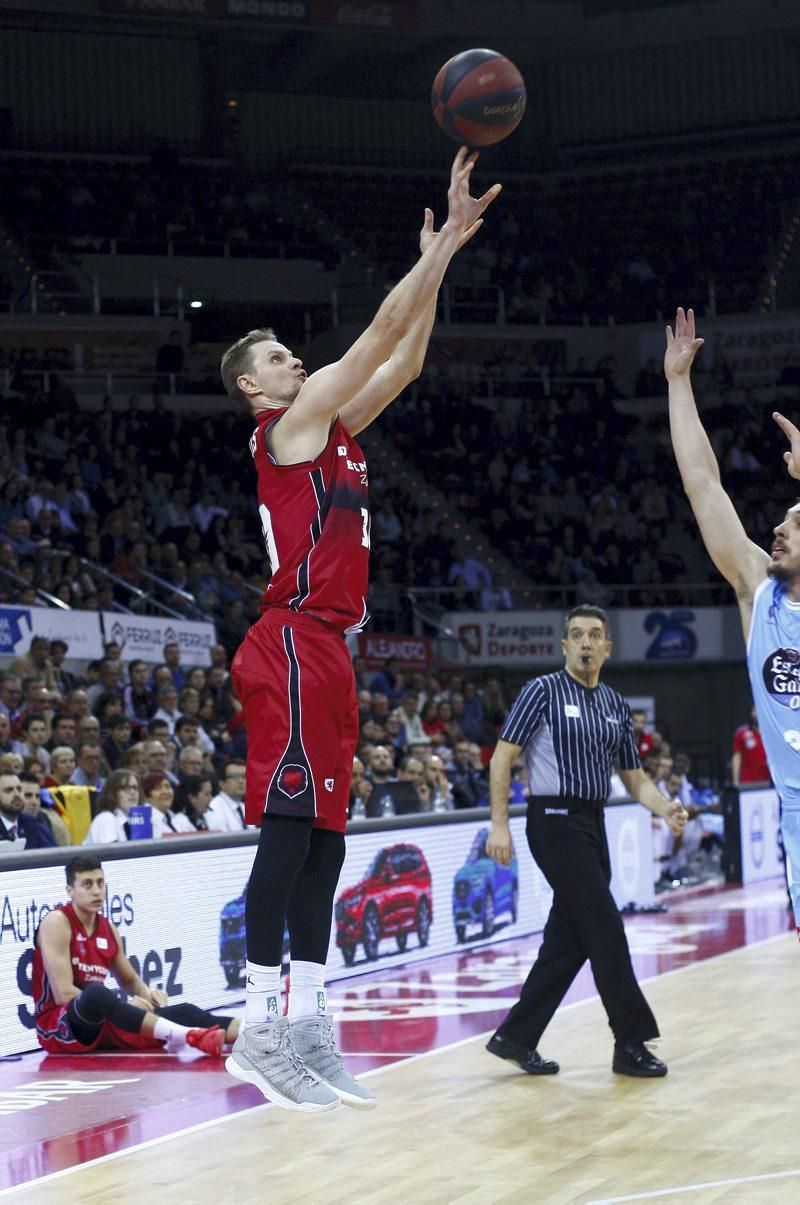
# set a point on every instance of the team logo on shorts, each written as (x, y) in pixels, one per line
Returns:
(328, 784)
(293, 781)
(781, 673)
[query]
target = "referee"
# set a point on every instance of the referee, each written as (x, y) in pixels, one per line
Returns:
(573, 730)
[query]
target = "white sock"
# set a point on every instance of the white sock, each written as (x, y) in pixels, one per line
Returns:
(171, 1034)
(262, 995)
(307, 996)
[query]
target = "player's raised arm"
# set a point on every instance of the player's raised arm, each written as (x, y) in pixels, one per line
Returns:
(327, 391)
(405, 363)
(738, 559)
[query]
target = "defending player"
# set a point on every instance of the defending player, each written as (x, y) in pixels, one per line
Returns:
(75, 949)
(767, 586)
(293, 673)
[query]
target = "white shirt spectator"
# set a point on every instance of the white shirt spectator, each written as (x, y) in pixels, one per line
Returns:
(169, 718)
(166, 824)
(107, 828)
(225, 815)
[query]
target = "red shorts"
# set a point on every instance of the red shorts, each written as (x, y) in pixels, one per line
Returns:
(294, 678)
(56, 1037)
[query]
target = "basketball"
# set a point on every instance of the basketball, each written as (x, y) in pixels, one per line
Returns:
(478, 97)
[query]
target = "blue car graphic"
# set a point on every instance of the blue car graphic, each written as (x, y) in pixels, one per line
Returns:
(232, 941)
(483, 890)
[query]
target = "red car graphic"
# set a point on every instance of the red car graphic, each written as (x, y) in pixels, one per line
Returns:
(393, 899)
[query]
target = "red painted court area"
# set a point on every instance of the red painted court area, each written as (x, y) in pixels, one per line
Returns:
(62, 1111)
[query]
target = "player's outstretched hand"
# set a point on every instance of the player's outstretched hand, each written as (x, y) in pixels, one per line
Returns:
(792, 457)
(498, 843)
(682, 346)
(463, 211)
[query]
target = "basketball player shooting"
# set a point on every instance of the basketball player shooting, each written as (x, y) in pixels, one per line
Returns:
(767, 585)
(293, 673)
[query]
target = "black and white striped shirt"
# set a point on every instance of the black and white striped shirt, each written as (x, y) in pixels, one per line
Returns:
(572, 736)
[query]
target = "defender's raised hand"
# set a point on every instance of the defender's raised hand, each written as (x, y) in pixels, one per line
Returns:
(463, 211)
(792, 457)
(682, 346)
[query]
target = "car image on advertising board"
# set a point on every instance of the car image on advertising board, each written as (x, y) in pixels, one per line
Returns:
(483, 890)
(393, 899)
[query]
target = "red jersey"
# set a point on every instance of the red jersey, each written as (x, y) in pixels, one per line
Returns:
(748, 742)
(316, 522)
(91, 958)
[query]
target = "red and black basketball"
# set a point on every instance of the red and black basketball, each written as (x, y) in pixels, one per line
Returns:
(478, 97)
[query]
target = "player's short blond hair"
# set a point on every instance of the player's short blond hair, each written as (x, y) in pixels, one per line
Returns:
(236, 361)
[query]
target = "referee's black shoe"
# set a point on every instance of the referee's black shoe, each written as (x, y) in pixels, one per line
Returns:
(529, 1060)
(633, 1058)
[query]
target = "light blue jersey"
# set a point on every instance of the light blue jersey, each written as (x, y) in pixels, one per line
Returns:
(773, 661)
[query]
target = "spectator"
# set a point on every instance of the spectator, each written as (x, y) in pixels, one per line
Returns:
(749, 761)
(414, 734)
(34, 738)
(167, 707)
(381, 765)
(15, 822)
(36, 663)
(121, 792)
(136, 697)
(87, 773)
(360, 790)
(47, 818)
(439, 783)
(226, 811)
(11, 697)
(7, 745)
(64, 680)
(470, 788)
(118, 739)
(411, 770)
(134, 759)
(62, 766)
(110, 672)
(472, 719)
(494, 705)
(63, 731)
(172, 659)
(193, 799)
(388, 680)
(158, 792)
(190, 762)
(644, 739)
(158, 760)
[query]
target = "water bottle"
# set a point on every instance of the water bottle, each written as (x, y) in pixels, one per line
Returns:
(358, 811)
(387, 806)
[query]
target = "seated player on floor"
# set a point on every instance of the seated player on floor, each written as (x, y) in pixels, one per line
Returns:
(75, 949)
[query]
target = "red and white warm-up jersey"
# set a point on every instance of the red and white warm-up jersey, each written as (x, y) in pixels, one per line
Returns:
(91, 956)
(316, 522)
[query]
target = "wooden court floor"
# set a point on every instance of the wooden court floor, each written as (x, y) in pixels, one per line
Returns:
(459, 1126)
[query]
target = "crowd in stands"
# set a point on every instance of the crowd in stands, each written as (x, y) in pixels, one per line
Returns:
(579, 494)
(620, 243)
(122, 734)
(126, 733)
(144, 204)
(696, 855)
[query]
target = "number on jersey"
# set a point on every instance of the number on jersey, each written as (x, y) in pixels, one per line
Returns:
(269, 537)
(366, 527)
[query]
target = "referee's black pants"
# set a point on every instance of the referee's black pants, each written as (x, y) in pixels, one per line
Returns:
(569, 845)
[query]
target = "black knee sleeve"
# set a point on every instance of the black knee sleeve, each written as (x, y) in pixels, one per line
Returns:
(283, 848)
(96, 1004)
(311, 903)
(191, 1016)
